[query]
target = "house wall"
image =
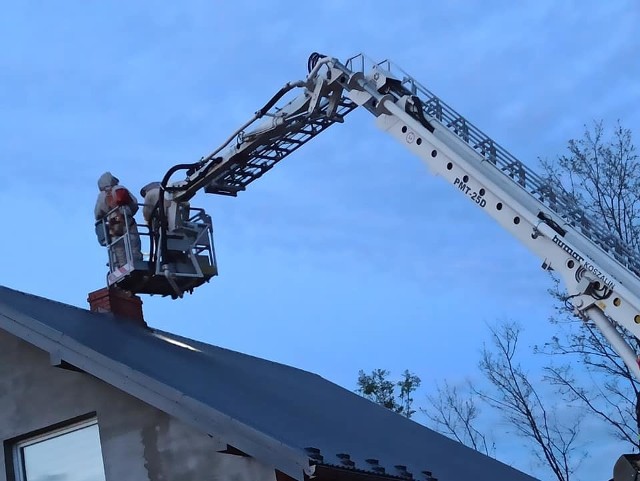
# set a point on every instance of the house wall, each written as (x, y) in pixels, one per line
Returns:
(138, 441)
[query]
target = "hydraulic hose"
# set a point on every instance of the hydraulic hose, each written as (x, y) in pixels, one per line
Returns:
(259, 113)
(288, 86)
(313, 61)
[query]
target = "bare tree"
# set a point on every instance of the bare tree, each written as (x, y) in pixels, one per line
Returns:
(602, 175)
(552, 434)
(454, 414)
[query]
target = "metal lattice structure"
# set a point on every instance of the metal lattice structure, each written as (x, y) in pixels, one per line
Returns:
(250, 164)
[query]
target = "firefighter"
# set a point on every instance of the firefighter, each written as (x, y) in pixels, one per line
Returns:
(157, 205)
(151, 195)
(117, 205)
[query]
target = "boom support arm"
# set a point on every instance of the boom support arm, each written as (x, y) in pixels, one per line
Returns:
(600, 274)
(275, 132)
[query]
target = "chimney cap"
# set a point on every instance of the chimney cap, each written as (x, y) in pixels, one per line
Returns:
(120, 303)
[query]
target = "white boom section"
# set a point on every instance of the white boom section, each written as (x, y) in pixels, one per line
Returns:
(599, 273)
(599, 285)
(601, 288)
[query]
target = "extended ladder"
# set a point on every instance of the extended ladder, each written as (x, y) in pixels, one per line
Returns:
(599, 271)
(521, 175)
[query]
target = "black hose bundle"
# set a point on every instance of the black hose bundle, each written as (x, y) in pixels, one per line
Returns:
(313, 60)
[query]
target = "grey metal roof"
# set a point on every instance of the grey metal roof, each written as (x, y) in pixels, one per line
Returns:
(268, 410)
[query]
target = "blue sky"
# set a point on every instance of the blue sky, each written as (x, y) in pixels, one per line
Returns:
(348, 255)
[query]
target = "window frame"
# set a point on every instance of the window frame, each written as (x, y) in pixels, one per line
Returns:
(17, 445)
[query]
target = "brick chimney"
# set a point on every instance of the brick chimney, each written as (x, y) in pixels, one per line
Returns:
(118, 302)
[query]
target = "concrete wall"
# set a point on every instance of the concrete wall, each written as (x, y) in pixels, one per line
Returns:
(139, 442)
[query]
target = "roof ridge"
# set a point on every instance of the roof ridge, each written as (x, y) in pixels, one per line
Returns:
(53, 301)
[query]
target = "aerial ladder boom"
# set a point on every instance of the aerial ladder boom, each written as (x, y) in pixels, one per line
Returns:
(275, 133)
(599, 273)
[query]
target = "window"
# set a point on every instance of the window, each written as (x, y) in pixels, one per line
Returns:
(72, 453)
